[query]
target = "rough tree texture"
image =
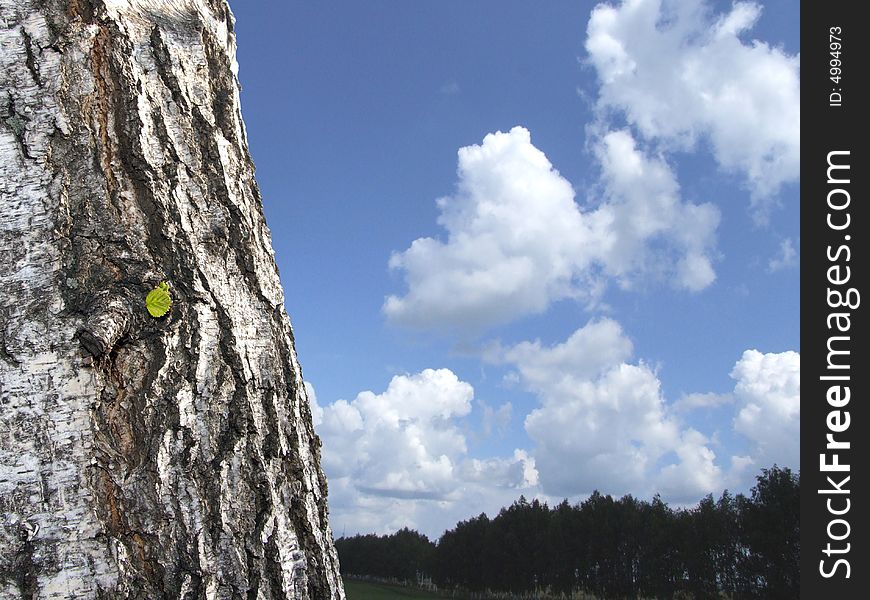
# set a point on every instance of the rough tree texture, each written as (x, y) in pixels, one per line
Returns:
(141, 457)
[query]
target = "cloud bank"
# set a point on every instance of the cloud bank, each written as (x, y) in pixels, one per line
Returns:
(600, 421)
(396, 457)
(603, 422)
(517, 240)
(768, 390)
(681, 76)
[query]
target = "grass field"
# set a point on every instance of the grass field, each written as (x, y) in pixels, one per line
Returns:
(364, 590)
(359, 590)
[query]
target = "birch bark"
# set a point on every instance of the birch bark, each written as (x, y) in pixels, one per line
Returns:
(141, 457)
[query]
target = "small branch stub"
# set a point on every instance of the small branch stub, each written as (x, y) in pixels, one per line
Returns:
(105, 326)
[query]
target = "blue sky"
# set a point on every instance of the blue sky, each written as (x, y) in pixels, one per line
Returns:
(533, 248)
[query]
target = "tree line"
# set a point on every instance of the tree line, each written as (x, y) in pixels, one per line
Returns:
(734, 547)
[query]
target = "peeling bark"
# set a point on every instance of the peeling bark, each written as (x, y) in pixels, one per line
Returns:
(141, 457)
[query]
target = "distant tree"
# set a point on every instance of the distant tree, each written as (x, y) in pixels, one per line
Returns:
(702, 542)
(659, 564)
(605, 574)
(564, 546)
(461, 555)
(518, 538)
(401, 555)
(729, 549)
(412, 553)
(770, 531)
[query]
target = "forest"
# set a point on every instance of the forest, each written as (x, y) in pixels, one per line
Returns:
(734, 547)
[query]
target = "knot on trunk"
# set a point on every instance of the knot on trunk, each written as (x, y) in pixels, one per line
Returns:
(110, 320)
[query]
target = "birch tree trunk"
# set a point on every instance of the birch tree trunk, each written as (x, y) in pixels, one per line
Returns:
(144, 457)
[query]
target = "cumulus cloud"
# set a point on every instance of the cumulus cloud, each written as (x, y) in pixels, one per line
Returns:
(680, 75)
(400, 457)
(696, 473)
(768, 391)
(603, 422)
(643, 204)
(517, 240)
(403, 442)
(404, 450)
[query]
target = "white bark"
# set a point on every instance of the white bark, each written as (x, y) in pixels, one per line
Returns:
(142, 457)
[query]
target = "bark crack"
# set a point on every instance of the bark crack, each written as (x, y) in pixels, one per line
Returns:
(30, 60)
(163, 60)
(25, 567)
(17, 123)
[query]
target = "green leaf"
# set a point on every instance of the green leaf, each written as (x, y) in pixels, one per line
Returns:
(158, 300)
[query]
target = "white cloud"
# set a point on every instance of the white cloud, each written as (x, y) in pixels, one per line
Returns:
(609, 431)
(741, 474)
(643, 205)
(586, 353)
(787, 257)
(681, 75)
(403, 442)
(399, 458)
(695, 475)
(603, 423)
(517, 241)
(768, 392)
